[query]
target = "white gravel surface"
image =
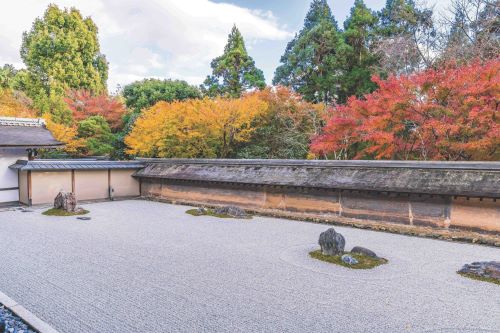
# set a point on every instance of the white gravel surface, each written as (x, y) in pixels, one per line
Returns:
(142, 266)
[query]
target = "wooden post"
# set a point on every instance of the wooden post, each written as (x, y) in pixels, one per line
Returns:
(29, 188)
(73, 181)
(110, 197)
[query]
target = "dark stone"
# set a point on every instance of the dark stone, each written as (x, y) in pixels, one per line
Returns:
(350, 260)
(65, 201)
(485, 269)
(84, 218)
(364, 251)
(332, 243)
(232, 211)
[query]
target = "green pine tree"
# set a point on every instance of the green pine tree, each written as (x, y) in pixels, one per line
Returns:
(313, 60)
(234, 71)
(358, 35)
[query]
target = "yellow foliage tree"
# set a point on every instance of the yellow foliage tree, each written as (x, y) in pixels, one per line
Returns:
(65, 134)
(195, 128)
(14, 104)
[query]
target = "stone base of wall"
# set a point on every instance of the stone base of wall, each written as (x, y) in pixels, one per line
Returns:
(413, 213)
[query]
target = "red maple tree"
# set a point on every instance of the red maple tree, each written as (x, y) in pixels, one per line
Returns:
(451, 113)
(83, 105)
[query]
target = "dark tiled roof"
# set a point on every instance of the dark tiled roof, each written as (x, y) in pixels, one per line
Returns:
(51, 165)
(477, 179)
(25, 133)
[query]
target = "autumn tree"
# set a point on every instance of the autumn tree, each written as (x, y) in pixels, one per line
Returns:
(446, 114)
(285, 129)
(15, 104)
(61, 52)
(195, 128)
(234, 72)
(313, 60)
(84, 104)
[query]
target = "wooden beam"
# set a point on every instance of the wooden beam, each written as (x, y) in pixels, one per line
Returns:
(29, 188)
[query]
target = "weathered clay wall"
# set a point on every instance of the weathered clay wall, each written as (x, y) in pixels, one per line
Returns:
(437, 211)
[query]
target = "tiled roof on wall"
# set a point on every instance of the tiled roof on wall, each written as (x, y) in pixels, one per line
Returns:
(477, 179)
(25, 133)
(54, 165)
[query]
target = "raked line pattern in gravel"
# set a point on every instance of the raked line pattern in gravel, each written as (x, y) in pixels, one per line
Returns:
(141, 266)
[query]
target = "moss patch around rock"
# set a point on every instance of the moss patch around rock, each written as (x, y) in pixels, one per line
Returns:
(210, 212)
(480, 278)
(62, 212)
(364, 262)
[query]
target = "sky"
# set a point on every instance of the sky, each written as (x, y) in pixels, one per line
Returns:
(174, 39)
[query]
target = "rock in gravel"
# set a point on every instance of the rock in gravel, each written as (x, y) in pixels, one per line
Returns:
(232, 211)
(331, 242)
(350, 260)
(65, 201)
(201, 211)
(84, 218)
(364, 251)
(487, 269)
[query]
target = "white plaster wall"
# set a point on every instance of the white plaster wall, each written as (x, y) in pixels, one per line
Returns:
(8, 177)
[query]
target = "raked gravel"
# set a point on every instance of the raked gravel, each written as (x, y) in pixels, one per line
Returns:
(141, 266)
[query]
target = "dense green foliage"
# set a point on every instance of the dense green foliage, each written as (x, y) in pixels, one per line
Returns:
(234, 72)
(61, 52)
(286, 129)
(146, 93)
(313, 60)
(96, 131)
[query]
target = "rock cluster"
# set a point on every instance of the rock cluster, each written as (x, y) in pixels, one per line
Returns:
(232, 211)
(65, 201)
(484, 269)
(9, 322)
(331, 242)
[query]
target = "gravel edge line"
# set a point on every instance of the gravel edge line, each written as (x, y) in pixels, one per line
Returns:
(452, 235)
(36, 323)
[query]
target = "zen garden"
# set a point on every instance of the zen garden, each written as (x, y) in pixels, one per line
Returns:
(249, 166)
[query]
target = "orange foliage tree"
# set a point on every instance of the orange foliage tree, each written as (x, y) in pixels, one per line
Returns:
(446, 114)
(84, 104)
(195, 128)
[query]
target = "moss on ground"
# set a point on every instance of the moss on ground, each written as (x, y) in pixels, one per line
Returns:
(364, 262)
(209, 212)
(62, 212)
(480, 278)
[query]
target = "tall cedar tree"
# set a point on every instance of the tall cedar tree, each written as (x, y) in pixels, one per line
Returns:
(234, 72)
(313, 60)
(359, 30)
(401, 27)
(61, 52)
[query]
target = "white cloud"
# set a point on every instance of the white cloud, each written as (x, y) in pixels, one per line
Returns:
(154, 38)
